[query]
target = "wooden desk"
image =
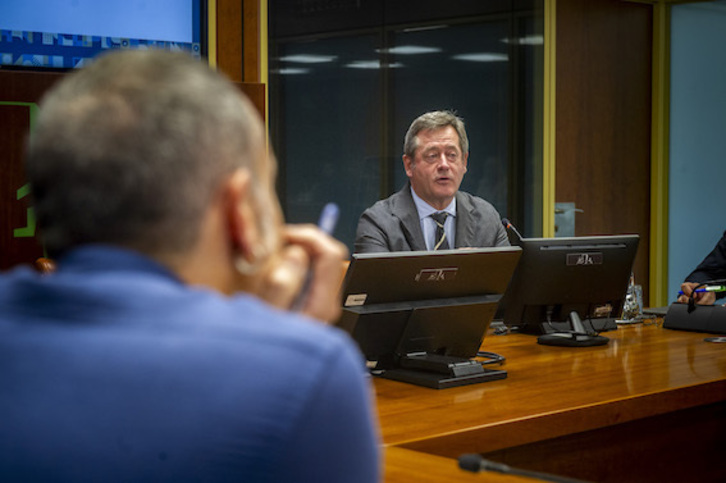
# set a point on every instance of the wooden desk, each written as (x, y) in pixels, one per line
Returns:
(649, 406)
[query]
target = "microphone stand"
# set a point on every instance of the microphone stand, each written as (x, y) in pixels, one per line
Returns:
(475, 463)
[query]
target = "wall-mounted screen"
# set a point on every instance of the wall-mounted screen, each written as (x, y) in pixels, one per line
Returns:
(66, 34)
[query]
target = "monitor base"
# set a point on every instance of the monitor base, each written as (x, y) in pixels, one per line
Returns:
(576, 337)
(571, 339)
(440, 381)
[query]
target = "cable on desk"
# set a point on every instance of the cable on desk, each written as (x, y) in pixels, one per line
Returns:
(548, 317)
(492, 357)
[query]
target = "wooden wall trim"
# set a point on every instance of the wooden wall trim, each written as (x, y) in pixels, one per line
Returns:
(229, 38)
(251, 40)
(604, 108)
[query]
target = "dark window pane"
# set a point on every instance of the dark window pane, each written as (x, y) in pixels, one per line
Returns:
(303, 17)
(407, 11)
(327, 128)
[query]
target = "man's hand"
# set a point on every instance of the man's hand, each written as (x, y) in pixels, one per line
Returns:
(306, 274)
(701, 298)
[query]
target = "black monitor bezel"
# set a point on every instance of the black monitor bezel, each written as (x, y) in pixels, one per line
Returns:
(396, 306)
(540, 287)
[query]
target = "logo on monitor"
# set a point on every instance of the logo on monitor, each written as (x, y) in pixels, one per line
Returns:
(574, 259)
(436, 275)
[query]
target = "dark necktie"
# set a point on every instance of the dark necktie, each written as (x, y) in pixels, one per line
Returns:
(441, 242)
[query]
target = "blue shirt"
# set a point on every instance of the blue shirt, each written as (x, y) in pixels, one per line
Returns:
(428, 225)
(112, 369)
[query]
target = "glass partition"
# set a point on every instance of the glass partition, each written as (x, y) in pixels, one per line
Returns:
(347, 79)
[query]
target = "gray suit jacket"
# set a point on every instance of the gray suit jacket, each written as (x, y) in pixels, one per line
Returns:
(392, 225)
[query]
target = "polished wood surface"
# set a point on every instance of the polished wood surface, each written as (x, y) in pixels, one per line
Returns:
(562, 405)
(550, 391)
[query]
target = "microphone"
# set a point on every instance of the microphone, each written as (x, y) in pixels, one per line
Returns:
(475, 463)
(508, 225)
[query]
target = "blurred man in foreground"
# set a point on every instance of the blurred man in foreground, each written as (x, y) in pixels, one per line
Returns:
(161, 349)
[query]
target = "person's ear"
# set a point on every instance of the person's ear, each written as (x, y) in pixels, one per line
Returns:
(465, 160)
(241, 221)
(408, 165)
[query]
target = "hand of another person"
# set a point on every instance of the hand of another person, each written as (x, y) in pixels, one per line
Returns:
(701, 298)
(307, 249)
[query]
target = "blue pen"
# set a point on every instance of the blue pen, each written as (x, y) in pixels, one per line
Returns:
(326, 223)
(328, 218)
(709, 288)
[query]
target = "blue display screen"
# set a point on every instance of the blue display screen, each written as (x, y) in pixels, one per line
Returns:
(66, 34)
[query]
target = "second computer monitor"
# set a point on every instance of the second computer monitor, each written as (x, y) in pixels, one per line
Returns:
(558, 276)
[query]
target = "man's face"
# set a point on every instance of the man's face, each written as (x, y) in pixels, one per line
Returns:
(438, 166)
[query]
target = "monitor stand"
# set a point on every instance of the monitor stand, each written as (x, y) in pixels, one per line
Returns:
(440, 372)
(576, 337)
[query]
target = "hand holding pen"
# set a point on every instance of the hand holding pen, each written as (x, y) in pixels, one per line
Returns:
(702, 294)
(320, 287)
(305, 275)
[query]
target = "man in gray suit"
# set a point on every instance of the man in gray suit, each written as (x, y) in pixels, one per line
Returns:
(430, 213)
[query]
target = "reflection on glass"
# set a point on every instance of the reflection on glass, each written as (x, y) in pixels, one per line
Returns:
(325, 126)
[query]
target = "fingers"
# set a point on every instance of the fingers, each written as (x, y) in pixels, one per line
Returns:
(687, 289)
(320, 299)
(284, 277)
(701, 298)
(707, 298)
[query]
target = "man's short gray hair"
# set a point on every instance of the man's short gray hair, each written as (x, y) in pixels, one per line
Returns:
(434, 120)
(130, 150)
